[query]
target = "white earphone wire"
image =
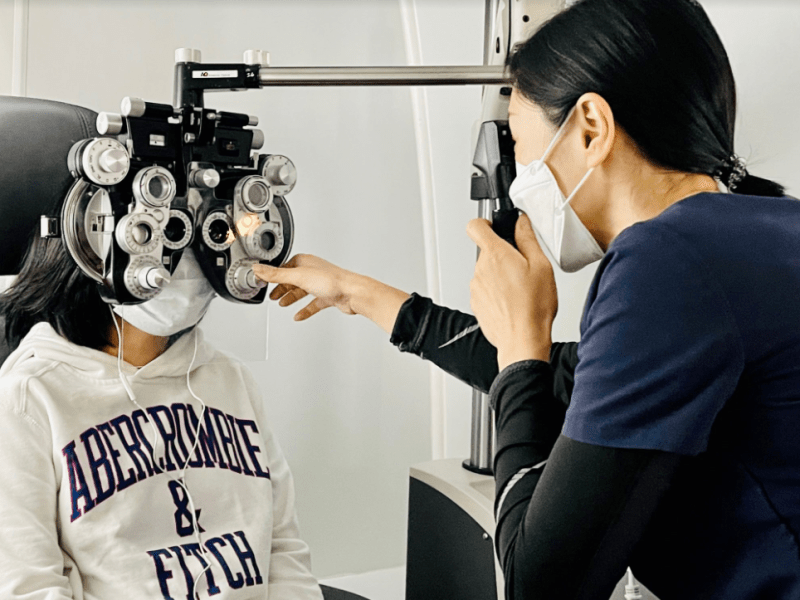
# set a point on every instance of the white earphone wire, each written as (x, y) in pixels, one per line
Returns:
(129, 390)
(182, 479)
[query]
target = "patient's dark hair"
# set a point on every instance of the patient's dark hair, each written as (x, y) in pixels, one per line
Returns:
(50, 287)
(661, 67)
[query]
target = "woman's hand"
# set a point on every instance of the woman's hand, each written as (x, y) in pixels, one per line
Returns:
(305, 274)
(350, 292)
(513, 293)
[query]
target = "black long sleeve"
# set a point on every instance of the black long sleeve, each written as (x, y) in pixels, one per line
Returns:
(565, 528)
(437, 334)
(568, 514)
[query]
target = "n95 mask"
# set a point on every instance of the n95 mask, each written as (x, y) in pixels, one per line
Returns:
(181, 303)
(535, 191)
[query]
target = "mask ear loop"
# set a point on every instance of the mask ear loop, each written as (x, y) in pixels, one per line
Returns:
(575, 191)
(181, 480)
(558, 135)
(552, 145)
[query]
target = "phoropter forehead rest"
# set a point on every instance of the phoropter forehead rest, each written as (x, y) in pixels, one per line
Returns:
(35, 137)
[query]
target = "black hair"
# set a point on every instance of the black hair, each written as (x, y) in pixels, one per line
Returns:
(662, 68)
(51, 287)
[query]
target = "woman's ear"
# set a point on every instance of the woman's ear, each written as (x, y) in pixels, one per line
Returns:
(596, 122)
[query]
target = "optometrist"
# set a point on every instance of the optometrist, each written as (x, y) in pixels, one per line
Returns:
(667, 438)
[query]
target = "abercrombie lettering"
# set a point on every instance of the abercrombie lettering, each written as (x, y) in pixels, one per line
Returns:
(102, 498)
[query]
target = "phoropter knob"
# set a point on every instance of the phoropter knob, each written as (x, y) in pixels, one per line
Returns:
(132, 107)
(258, 140)
(256, 57)
(245, 279)
(104, 161)
(187, 55)
(204, 178)
(114, 160)
(110, 123)
(281, 174)
(152, 278)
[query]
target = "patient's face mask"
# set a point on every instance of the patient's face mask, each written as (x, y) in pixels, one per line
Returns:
(536, 192)
(180, 305)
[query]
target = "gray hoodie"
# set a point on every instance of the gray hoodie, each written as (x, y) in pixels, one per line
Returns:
(91, 500)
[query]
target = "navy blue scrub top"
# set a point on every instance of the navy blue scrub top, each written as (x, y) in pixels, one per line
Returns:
(690, 343)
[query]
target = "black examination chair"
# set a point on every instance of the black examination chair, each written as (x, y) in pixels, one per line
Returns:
(35, 136)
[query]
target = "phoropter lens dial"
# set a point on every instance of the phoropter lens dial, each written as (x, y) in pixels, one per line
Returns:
(254, 193)
(178, 230)
(265, 242)
(154, 186)
(104, 161)
(138, 233)
(218, 231)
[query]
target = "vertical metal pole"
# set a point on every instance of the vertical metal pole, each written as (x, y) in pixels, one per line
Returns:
(19, 61)
(488, 29)
(481, 452)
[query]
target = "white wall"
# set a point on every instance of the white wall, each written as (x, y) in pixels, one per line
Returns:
(352, 413)
(452, 33)
(763, 46)
(453, 36)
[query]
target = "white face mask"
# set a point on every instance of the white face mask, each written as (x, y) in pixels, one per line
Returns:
(535, 191)
(181, 304)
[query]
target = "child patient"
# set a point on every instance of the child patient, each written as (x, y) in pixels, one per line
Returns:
(136, 461)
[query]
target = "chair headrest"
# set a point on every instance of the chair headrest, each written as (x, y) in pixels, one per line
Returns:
(35, 137)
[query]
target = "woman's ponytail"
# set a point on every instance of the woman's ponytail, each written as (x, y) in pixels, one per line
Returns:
(733, 174)
(750, 185)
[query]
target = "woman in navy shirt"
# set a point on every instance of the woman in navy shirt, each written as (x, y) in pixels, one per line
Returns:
(668, 438)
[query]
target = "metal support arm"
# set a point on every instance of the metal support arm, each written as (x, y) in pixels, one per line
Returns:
(381, 76)
(506, 24)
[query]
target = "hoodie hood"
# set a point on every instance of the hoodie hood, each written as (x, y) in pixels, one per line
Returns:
(44, 343)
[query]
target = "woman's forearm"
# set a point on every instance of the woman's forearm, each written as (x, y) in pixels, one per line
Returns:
(374, 300)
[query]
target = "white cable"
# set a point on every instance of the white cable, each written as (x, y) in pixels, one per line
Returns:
(181, 480)
(422, 134)
(126, 384)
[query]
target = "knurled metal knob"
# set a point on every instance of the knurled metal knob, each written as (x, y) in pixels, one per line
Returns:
(105, 161)
(114, 161)
(109, 123)
(132, 107)
(245, 279)
(258, 140)
(281, 174)
(187, 55)
(153, 278)
(205, 178)
(256, 57)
